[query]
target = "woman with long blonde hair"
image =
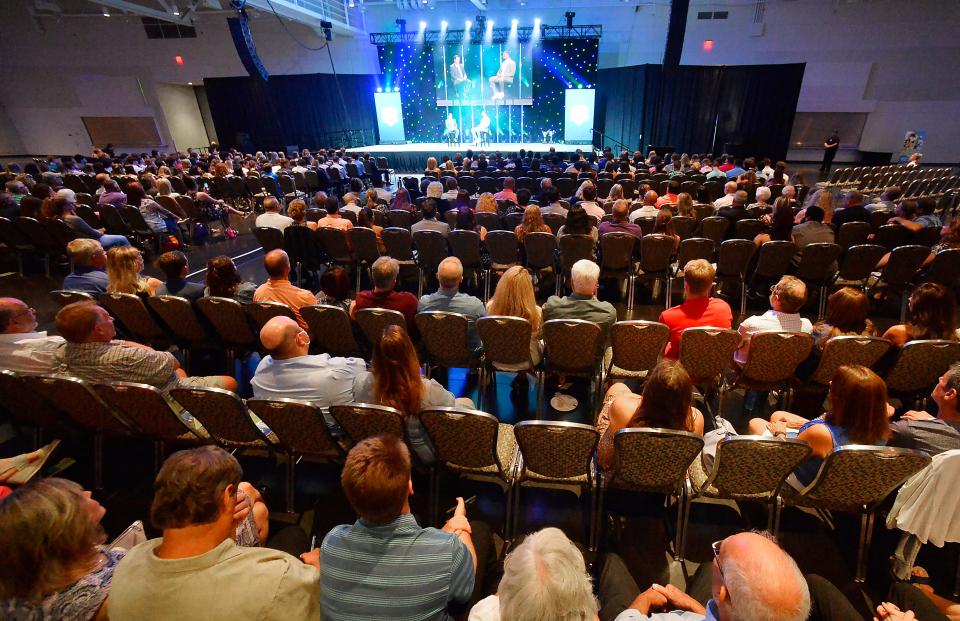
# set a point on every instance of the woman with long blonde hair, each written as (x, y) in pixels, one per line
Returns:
(486, 203)
(124, 267)
(685, 206)
(432, 165)
(514, 297)
(532, 223)
(616, 194)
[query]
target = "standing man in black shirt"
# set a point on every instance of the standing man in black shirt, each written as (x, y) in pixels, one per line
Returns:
(830, 150)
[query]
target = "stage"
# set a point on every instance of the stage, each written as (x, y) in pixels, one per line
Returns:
(412, 158)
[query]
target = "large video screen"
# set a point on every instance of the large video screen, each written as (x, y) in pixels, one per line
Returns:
(470, 74)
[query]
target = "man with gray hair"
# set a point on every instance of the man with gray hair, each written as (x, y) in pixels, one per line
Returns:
(853, 212)
(582, 303)
(435, 191)
(385, 272)
(89, 267)
(448, 298)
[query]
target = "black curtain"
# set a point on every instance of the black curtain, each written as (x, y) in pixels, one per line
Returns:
(303, 110)
(743, 109)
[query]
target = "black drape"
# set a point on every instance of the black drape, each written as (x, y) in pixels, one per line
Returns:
(701, 109)
(302, 110)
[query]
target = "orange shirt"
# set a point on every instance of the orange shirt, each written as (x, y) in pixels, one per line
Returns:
(284, 291)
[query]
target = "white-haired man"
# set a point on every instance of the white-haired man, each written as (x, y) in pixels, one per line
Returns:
(582, 303)
(729, 193)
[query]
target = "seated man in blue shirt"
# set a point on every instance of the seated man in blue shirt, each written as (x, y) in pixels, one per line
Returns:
(385, 565)
(449, 299)
(175, 268)
(89, 267)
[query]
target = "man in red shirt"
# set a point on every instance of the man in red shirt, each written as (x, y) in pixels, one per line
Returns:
(385, 271)
(698, 308)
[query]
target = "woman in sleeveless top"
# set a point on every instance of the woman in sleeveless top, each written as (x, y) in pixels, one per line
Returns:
(666, 402)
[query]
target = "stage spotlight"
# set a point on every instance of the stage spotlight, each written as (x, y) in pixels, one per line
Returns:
(536, 22)
(443, 25)
(396, 89)
(514, 22)
(379, 90)
(423, 25)
(467, 24)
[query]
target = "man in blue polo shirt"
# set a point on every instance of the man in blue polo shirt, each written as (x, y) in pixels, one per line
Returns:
(448, 298)
(385, 566)
(89, 267)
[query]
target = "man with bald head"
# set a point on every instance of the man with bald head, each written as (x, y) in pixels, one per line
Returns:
(648, 209)
(620, 223)
(729, 190)
(278, 287)
(271, 217)
(291, 372)
(23, 348)
(448, 298)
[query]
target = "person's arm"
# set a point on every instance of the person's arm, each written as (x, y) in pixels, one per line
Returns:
(680, 600)
(819, 439)
(910, 225)
(790, 420)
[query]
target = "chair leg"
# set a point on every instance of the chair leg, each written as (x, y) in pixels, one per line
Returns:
(866, 536)
(823, 302)
(903, 306)
(669, 296)
(743, 297)
(594, 519)
(540, 391)
(687, 504)
(98, 461)
(776, 509)
(291, 482)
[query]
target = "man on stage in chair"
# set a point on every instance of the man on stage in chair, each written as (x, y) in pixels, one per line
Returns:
(508, 69)
(459, 76)
(452, 133)
(481, 128)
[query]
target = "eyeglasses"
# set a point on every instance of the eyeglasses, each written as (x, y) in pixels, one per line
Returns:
(716, 555)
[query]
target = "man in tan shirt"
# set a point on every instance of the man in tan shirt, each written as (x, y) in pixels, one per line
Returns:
(333, 219)
(279, 288)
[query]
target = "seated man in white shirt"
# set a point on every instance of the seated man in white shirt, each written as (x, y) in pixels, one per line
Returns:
(350, 203)
(786, 299)
(272, 217)
(22, 348)
(648, 209)
(589, 203)
(729, 193)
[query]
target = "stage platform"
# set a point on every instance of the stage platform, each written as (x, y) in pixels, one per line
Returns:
(412, 158)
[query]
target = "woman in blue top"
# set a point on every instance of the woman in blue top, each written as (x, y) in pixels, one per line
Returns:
(859, 414)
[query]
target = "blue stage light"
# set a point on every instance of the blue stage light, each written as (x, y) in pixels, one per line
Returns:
(513, 23)
(396, 89)
(379, 90)
(443, 24)
(467, 24)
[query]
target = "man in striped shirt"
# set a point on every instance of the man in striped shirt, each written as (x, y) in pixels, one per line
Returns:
(385, 566)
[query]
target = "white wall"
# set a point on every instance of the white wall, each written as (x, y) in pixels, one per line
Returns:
(182, 113)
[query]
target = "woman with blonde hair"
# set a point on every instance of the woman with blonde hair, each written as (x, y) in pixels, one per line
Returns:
(297, 209)
(165, 188)
(532, 223)
(432, 165)
(124, 272)
(372, 199)
(514, 297)
(394, 380)
(486, 203)
(616, 194)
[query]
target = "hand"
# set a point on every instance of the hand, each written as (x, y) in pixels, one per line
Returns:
(792, 421)
(458, 523)
(681, 600)
(777, 428)
(312, 557)
(649, 599)
(8, 471)
(917, 415)
(461, 509)
(242, 508)
(889, 612)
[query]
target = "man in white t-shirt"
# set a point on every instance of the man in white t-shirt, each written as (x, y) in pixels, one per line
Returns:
(272, 217)
(729, 193)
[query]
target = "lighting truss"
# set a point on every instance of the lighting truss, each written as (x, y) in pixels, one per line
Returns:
(500, 35)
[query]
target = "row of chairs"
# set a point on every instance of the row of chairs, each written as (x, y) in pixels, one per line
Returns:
(475, 445)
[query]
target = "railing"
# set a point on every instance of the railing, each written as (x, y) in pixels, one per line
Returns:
(606, 141)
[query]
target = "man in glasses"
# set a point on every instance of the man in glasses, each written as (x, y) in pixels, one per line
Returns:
(23, 348)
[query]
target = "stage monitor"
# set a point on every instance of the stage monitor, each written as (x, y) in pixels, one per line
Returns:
(389, 118)
(578, 116)
(464, 70)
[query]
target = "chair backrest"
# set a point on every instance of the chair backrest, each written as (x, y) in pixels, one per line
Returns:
(892, 235)
(554, 221)
(573, 248)
(774, 356)
(540, 250)
(133, 314)
(572, 346)
(656, 252)
(694, 248)
(178, 316)
(503, 247)
(920, 364)
(684, 226)
(817, 262)
(945, 268)
(506, 340)
(145, 407)
(373, 321)
(735, 255)
(463, 438)
(431, 249)
(653, 460)
(859, 261)
(64, 297)
(229, 321)
(61, 232)
(398, 243)
(773, 260)
(465, 245)
(298, 425)
(269, 237)
(715, 228)
(446, 337)
(857, 476)
(557, 450)
(489, 220)
(40, 238)
(399, 218)
(170, 204)
(331, 329)
(71, 397)
(364, 242)
(616, 251)
(751, 467)
(853, 234)
(637, 344)
(707, 352)
(363, 420)
(222, 414)
(748, 228)
(262, 312)
(301, 245)
(847, 350)
(904, 263)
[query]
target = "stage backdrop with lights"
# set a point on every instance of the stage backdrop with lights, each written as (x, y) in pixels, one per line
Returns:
(533, 104)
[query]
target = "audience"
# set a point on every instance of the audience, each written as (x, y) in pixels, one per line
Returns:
(23, 348)
(620, 223)
(648, 208)
(278, 287)
(272, 218)
(933, 311)
(787, 297)
(297, 211)
(385, 271)
(735, 212)
(224, 280)
(514, 297)
(698, 308)
(197, 557)
(780, 223)
(532, 223)
(729, 193)
(333, 219)
(551, 198)
(578, 223)
(55, 564)
(847, 315)
(66, 210)
(448, 298)
(508, 192)
(853, 212)
(335, 288)
(92, 354)
(430, 222)
(174, 265)
(926, 432)
(589, 202)
(667, 402)
(89, 262)
(486, 203)
(385, 565)
(685, 206)
(124, 273)
(466, 221)
(811, 231)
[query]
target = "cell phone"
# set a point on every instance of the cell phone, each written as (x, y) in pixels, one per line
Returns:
(466, 502)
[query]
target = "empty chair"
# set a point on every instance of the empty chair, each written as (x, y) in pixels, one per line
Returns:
(684, 226)
(504, 251)
(853, 234)
(656, 252)
(574, 347)
(858, 264)
(773, 261)
(616, 260)
(335, 246)
(706, 353)
(817, 268)
(363, 420)
(231, 325)
(269, 237)
(919, 366)
(223, 414)
(446, 340)
(748, 228)
(147, 408)
(465, 245)
(714, 228)
(400, 218)
(897, 275)
(506, 346)
(848, 350)
(735, 256)
(373, 321)
(64, 297)
(771, 361)
(540, 250)
(131, 312)
(303, 249)
(330, 329)
(398, 243)
(637, 346)
(572, 249)
(554, 221)
(891, 236)
(945, 268)
(366, 249)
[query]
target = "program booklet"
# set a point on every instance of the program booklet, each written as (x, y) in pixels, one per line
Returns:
(26, 469)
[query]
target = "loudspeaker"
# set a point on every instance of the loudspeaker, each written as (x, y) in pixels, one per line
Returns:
(243, 41)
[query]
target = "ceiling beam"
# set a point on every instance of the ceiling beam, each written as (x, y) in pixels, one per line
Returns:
(290, 10)
(139, 9)
(480, 4)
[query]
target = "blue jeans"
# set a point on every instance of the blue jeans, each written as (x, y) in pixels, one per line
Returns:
(113, 241)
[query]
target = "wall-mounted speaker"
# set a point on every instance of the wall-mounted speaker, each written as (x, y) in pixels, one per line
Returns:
(243, 41)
